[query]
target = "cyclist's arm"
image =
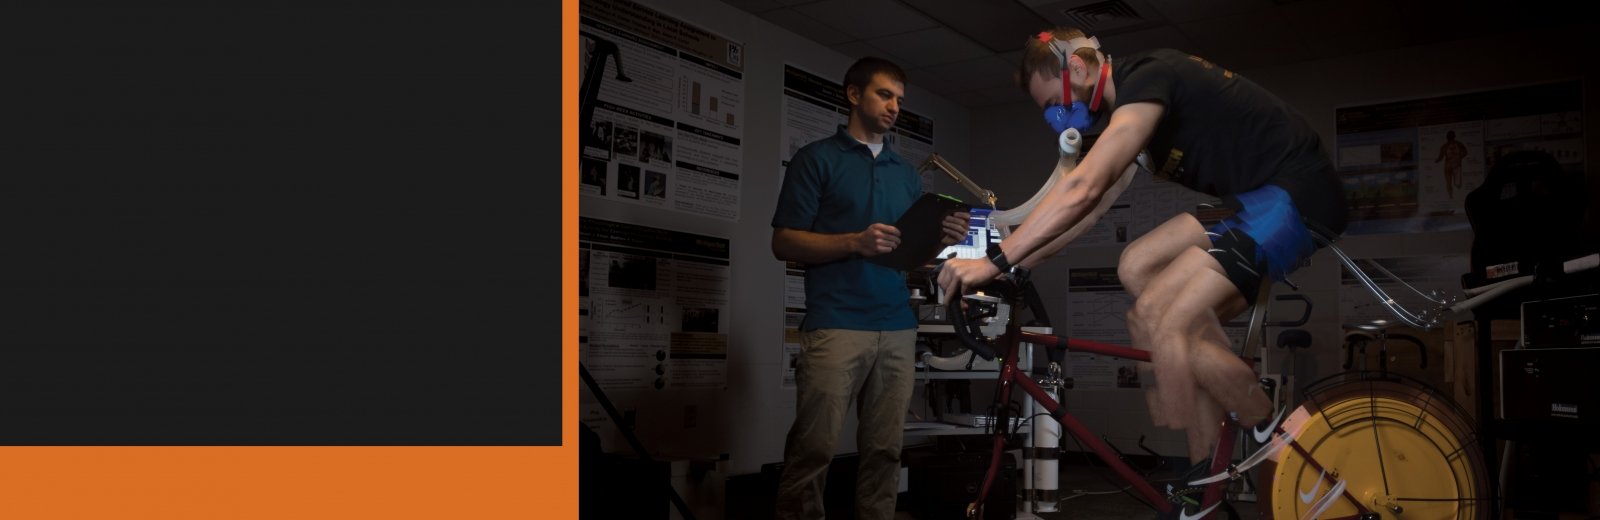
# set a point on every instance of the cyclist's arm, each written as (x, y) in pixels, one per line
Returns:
(1070, 206)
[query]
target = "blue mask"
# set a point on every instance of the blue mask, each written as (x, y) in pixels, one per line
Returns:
(1076, 116)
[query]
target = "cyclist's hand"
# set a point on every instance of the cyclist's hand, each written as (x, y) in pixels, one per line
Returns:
(960, 273)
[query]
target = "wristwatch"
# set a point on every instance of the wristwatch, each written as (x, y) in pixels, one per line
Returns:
(998, 258)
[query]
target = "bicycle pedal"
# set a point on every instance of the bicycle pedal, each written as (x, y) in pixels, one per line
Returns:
(1278, 443)
(1231, 473)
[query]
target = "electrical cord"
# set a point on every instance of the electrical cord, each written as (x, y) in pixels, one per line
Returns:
(1077, 493)
(1108, 480)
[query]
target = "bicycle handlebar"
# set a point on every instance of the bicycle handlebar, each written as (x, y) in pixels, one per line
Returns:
(1009, 287)
(966, 331)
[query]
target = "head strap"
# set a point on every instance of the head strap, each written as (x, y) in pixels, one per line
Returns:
(1064, 48)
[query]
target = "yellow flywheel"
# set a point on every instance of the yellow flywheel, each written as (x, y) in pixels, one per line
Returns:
(1403, 451)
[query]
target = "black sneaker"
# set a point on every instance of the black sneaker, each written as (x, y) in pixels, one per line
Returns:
(1185, 503)
(1184, 498)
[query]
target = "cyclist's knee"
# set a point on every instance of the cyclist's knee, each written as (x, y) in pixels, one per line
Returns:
(1132, 268)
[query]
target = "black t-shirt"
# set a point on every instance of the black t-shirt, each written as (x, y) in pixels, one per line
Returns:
(1222, 134)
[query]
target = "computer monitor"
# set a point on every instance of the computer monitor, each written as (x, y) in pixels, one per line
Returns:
(979, 236)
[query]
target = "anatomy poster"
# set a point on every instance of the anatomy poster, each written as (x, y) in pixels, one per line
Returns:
(1408, 165)
(663, 105)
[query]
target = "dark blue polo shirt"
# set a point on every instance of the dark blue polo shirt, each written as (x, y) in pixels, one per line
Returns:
(835, 186)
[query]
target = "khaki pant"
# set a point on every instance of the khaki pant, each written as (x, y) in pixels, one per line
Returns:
(876, 371)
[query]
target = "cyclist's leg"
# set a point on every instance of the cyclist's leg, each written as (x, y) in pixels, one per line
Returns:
(1141, 262)
(1172, 386)
(1143, 259)
(1202, 411)
(1202, 436)
(1186, 325)
(1208, 413)
(1158, 392)
(1172, 336)
(1264, 240)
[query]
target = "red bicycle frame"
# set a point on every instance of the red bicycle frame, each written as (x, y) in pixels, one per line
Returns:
(1010, 375)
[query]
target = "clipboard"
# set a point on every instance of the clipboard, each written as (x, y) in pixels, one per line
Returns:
(921, 231)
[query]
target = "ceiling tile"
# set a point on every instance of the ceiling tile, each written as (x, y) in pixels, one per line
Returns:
(1435, 20)
(1103, 19)
(987, 72)
(804, 26)
(858, 49)
(1183, 11)
(1247, 41)
(930, 47)
(866, 19)
(1316, 19)
(998, 25)
(1166, 36)
(754, 6)
(1358, 43)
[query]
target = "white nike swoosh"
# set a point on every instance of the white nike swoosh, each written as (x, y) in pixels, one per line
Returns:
(1306, 497)
(1184, 515)
(1272, 448)
(1322, 505)
(1262, 436)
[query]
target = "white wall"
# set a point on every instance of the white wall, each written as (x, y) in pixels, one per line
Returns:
(1012, 152)
(749, 419)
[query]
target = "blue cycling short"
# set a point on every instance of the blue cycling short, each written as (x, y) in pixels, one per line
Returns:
(1265, 237)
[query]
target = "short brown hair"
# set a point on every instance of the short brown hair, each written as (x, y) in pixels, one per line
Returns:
(861, 73)
(1039, 59)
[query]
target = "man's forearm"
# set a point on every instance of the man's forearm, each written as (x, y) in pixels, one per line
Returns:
(794, 245)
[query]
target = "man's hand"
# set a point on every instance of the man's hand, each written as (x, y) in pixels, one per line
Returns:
(965, 272)
(955, 228)
(877, 239)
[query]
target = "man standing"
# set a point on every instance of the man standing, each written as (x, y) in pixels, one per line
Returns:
(858, 339)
